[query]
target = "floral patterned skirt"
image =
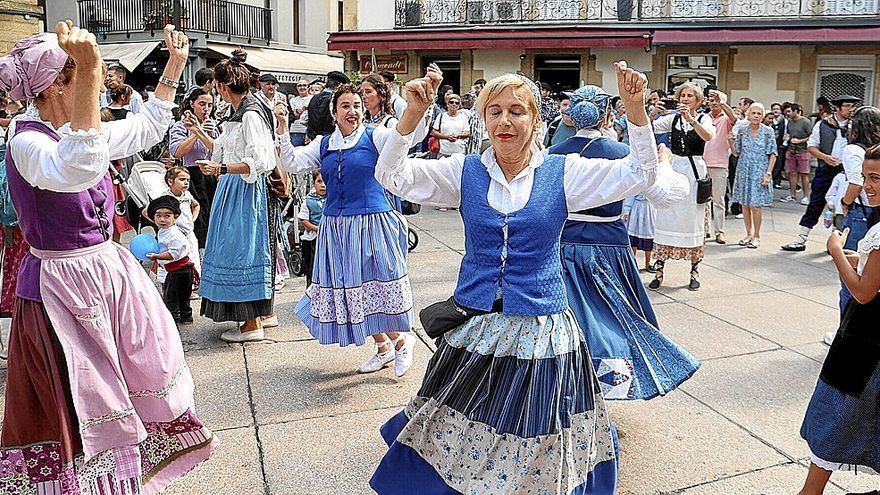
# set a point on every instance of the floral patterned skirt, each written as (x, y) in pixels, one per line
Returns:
(360, 285)
(662, 252)
(510, 404)
(41, 446)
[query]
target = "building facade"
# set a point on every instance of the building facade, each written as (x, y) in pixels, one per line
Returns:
(19, 19)
(769, 50)
(285, 37)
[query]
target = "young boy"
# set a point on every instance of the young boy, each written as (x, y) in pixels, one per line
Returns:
(176, 271)
(310, 218)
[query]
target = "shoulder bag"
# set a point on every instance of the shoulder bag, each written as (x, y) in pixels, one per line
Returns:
(704, 185)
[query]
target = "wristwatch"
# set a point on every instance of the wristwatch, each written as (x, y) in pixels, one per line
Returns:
(223, 169)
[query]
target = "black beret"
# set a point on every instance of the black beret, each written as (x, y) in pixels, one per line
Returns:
(167, 202)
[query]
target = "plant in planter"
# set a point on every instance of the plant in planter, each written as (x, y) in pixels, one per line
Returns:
(164, 14)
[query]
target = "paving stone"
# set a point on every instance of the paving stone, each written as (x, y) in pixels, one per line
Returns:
(234, 468)
(782, 479)
(776, 270)
(433, 266)
(766, 393)
(814, 350)
(291, 468)
(715, 283)
(221, 394)
(299, 380)
(673, 442)
(826, 295)
(705, 336)
(777, 316)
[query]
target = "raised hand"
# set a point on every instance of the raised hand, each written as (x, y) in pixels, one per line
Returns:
(631, 85)
(837, 240)
(420, 92)
(176, 42)
(79, 44)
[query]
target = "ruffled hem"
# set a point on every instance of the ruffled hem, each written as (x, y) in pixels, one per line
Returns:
(345, 334)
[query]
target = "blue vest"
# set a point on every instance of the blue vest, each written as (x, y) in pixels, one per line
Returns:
(315, 204)
(605, 233)
(349, 174)
(530, 275)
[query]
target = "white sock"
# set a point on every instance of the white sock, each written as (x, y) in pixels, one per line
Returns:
(804, 233)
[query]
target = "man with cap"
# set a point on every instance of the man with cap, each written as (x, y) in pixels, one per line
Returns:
(320, 114)
(269, 94)
(825, 143)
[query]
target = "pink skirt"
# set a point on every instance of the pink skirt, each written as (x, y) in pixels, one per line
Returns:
(14, 249)
(99, 398)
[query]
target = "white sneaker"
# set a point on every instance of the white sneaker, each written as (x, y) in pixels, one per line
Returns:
(787, 199)
(805, 201)
(829, 337)
(269, 321)
(740, 216)
(236, 336)
(378, 361)
(403, 359)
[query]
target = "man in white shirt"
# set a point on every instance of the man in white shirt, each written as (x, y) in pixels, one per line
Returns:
(269, 95)
(116, 77)
(298, 105)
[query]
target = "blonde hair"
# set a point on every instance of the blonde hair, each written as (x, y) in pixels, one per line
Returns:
(698, 91)
(521, 92)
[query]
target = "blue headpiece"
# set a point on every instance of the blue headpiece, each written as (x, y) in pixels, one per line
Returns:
(589, 106)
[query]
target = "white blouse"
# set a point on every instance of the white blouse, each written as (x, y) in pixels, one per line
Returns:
(81, 158)
(867, 245)
(587, 182)
(248, 141)
(664, 124)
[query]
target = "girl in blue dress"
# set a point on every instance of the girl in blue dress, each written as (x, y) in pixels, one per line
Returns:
(360, 286)
(756, 148)
(633, 360)
(510, 402)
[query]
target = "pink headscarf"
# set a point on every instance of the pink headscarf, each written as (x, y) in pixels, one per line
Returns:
(32, 66)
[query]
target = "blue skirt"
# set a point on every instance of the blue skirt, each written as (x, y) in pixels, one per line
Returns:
(360, 285)
(237, 266)
(843, 429)
(633, 359)
(509, 404)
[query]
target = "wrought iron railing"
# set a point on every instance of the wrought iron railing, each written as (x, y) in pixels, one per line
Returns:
(220, 18)
(413, 13)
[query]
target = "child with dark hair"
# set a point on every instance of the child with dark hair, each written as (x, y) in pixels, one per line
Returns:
(176, 273)
(309, 216)
(178, 180)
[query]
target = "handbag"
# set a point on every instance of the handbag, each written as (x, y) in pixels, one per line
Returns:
(443, 316)
(704, 185)
(434, 143)
(278, 182)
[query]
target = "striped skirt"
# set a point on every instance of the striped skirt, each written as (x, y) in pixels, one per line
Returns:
(510, 404)
(360, 285)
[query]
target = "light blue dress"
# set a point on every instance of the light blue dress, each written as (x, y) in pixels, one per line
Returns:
(754, 157)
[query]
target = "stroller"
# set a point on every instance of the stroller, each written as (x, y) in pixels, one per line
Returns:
(145, 182)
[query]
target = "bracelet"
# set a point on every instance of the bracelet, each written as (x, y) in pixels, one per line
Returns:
(223, 169)
(169, 82)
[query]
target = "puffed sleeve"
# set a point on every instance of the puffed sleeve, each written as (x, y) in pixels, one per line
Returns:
(663, 124)
(591, 182)
(139, 131)
(430, 182)
(669, 188)
(259, 151)
(75, 163)
(176, 135)
(296, 159)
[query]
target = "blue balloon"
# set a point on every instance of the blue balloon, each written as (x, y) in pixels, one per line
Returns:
(142, 244)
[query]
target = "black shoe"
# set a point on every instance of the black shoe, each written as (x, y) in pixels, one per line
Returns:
(651, 268)
(694, 285)
(187, 320)
(794, 246)
(655, 284)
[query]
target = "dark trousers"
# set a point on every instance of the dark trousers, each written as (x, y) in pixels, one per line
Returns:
(735, 208)
(779, 167)
(308, 259)
(176, 292)
(820, 185)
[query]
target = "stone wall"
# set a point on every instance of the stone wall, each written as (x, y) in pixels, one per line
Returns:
(14, 27)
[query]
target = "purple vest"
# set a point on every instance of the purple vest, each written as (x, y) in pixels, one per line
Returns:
(56, 221)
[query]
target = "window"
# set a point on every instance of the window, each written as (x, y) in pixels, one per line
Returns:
(845, 74)
(340, 16)
(700, 69)
(296, 19)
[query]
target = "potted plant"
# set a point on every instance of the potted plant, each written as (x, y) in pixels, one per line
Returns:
(164, 14)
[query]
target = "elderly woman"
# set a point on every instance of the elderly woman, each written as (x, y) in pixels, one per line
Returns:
(755, 145)
(98, 398)
(632, 358)
(360, 285)
(680, 230)
(510, 402)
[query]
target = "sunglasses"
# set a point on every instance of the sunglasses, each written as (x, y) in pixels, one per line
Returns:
(455, 103)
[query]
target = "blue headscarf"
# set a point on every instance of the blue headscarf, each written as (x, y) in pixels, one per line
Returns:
(589, 107)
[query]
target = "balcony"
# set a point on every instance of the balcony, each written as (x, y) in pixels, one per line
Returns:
(217, 19)
(427, 13)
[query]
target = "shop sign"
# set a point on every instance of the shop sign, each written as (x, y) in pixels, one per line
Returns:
(396, 63)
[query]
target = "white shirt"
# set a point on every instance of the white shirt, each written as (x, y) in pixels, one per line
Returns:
(171, 240)
(248, 141)
(839, 141)
(81, 158)
(587, 182)
(853, 157)
(299, 125)
(304, 214)
(836, 191)
(868, 244)
(185, 221)
(136, 104)
(448, 125)
(664, 124)
(398, 104)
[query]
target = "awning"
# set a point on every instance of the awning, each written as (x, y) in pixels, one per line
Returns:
(569, 37)
(129, 55)
(283, 63)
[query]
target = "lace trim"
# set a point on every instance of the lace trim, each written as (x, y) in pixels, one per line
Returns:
(164, 391)
(114, 416)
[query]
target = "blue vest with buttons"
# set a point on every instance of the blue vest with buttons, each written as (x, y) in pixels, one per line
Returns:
(525, 264)
(602, 233)
(349, 174)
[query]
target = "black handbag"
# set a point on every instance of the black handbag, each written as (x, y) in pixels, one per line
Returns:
(855, 351)
(443, 316)
(704, 185)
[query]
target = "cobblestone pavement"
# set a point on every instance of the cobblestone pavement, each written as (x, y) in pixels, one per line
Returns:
(295, 418)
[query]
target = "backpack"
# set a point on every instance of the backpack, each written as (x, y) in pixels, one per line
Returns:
(8, 217)
(320, 121)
